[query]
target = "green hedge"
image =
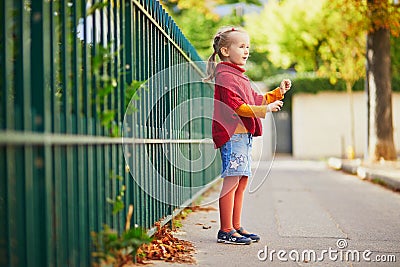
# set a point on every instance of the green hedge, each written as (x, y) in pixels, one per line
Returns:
(310, 83)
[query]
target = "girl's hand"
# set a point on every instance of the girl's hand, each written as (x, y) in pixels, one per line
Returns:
(275, 106)
(285, 86)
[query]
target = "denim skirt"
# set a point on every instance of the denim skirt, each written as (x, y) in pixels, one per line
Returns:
(236, 155)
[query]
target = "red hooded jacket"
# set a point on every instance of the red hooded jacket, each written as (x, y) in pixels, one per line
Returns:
(232, 89)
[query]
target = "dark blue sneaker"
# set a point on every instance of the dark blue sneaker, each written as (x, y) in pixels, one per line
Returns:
(253, 237)
(229, 238)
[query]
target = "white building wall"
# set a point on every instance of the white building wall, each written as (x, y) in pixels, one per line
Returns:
(321, 124)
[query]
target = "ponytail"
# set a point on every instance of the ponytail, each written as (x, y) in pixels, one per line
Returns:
(211, 65)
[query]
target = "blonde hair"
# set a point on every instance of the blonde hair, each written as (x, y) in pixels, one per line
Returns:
(221, 39)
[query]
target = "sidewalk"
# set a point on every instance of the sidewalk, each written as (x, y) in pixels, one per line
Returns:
(302, 206)
(384, 173)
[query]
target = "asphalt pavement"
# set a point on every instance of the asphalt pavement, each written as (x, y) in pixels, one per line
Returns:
(307, 215)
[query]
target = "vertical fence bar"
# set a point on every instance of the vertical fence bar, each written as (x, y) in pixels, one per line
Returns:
(24, 155)
(87, 192)
(3, 63)
(34, 155)
(4, 235)
(46, 155)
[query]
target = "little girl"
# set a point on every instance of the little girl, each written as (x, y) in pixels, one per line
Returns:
(236, 119)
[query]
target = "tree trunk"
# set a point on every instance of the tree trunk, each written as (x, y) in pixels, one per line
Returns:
(351, 151)
(381, 144)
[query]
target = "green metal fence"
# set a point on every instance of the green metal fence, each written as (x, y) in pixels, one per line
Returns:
(68, 69)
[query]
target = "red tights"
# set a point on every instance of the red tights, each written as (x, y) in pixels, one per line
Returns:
(231, 202)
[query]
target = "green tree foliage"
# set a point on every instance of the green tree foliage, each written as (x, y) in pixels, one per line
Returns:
(380, 14)
(311, 36)
(327, 37)
(395, 58)
(200, 29)
(289, 32)
(343, 50)
(199, 22)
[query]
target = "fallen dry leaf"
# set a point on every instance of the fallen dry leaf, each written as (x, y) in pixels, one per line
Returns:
(166, 247)
(199, 208)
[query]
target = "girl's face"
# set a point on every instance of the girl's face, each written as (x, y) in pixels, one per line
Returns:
(238, 52)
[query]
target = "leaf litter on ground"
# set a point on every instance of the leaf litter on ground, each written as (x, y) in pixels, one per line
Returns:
(168, 248)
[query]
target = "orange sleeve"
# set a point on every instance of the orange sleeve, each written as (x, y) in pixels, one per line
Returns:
(273, 95)
(252, 111)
